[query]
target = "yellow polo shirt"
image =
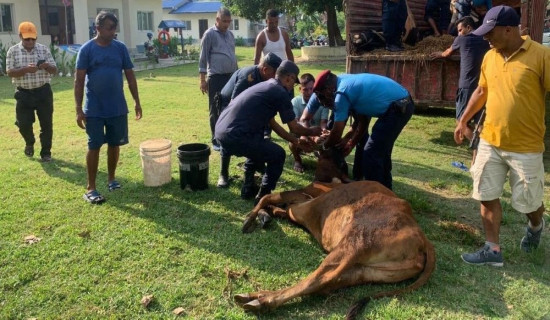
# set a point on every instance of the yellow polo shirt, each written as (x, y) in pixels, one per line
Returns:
(516, 89)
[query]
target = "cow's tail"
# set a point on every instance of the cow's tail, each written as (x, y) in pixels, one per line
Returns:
(429, 267)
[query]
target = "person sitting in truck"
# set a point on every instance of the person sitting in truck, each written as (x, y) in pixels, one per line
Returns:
(472, 50)
(364, 95)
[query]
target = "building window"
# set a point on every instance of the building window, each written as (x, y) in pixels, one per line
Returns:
(187, 25)
(6, 20)
(145, 20)
(234, 25)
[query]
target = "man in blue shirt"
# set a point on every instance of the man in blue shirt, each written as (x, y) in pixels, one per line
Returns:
(105, 115)
(364, 95)
(242, 79)
(240, 128)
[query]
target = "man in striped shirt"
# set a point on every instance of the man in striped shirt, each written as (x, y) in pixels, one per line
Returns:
(30, 66)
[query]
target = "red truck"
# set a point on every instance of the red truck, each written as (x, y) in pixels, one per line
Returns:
(430, 82)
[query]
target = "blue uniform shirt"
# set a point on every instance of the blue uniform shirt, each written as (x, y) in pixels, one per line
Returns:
(241, 80)
(104, 85)
(472, 50)
(249, 113)
(365, 93)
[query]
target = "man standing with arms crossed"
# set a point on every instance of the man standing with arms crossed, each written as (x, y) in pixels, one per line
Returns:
(515, 76)
(217, 63)
(105, 115)
(30, 66)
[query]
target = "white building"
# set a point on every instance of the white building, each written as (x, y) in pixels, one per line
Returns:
(69, 21)
(198, 16)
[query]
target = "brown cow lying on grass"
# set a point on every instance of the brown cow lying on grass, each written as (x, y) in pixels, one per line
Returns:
(369, 233)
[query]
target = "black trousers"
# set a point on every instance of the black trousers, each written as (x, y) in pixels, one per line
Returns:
(215, 85)
(29, 101)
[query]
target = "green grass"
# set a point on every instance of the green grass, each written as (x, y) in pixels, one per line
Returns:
(186, 248)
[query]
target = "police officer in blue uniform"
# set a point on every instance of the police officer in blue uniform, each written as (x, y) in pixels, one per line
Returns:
(240, 128)
(241, 80)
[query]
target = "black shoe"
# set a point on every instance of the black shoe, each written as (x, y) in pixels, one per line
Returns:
(46, 158)
(29, 151)
(248, 191)
(223, 181)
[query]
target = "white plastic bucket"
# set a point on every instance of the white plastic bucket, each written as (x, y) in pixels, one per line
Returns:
(156, 161)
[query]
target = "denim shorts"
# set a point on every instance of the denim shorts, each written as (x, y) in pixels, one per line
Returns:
(526, 173)
(113, 131)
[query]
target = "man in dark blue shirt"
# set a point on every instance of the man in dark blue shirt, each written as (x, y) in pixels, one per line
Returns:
(240, 128)
(472, 50)
(241, 80)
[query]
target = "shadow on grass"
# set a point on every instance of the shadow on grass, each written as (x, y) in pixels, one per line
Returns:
(204, 219)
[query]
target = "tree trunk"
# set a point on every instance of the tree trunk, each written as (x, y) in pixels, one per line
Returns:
(334, 36)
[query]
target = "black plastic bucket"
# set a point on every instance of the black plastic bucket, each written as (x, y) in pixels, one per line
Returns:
(194, 165)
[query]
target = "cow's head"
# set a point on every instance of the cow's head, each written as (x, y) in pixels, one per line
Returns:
(331, 165)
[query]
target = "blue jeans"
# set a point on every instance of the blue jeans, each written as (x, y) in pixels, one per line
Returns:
(259, 152)
(377, 162)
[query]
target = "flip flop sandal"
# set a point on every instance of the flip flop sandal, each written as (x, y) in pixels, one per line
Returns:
(113, 185)
(93, 197)
(298, 167)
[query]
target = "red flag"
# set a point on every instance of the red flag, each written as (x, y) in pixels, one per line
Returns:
(66, 2)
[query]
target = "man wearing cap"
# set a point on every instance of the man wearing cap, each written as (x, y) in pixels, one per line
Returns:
(241, 80)
(515, 76)
(241, 125)
(217, 62)
(30, 66)
(364, 95)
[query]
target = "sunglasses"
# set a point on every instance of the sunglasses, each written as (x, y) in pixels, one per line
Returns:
(29, 39)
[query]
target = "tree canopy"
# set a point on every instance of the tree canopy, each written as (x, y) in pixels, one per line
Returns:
(255, 10)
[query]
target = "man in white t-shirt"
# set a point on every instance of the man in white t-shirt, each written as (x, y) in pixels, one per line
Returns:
(273, 39)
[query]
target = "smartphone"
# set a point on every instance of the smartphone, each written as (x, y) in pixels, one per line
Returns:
(40, 62)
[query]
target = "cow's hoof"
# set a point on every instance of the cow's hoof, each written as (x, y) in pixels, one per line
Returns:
(265, 218)
(242, 298)
(249, 224)
(253, 305)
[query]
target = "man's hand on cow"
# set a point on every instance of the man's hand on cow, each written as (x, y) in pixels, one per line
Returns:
(315, 131)
(306, 145)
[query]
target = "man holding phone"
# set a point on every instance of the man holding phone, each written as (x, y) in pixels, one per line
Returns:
(30, 66)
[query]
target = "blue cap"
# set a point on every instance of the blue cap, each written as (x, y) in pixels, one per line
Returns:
(498, 16)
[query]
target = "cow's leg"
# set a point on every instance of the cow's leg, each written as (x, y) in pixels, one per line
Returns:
(274, 199)
(326, 278)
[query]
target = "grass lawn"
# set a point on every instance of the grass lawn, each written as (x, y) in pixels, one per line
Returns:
(186, 249)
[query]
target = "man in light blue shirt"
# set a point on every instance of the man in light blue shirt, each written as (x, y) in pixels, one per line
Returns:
(363, 95)
(299, 103)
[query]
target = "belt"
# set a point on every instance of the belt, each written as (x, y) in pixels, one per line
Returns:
(33, 89)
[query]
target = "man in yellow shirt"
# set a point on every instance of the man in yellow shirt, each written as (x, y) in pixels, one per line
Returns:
(515, 76)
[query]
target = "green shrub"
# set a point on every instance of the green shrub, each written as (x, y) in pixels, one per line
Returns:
(239, 42)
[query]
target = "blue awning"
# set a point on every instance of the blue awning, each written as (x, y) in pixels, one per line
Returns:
(167, 24)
